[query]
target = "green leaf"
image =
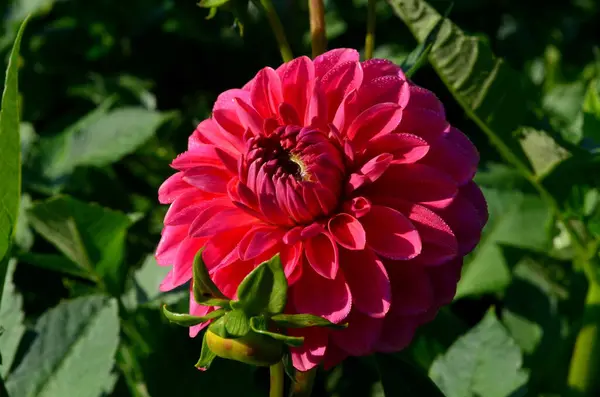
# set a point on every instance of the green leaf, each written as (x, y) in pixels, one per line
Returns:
(483, 362)
(76, 342)
(418, 57)
(237, 323)
(543, 151)
(187, 320)
(91, 236)
(206, 356)
(264, 289)
(10, 155)
(591, 111)
(304, 321)
(218, 328)
(492, 94)
(516, 219)
(11, 321)
(147, 280)
(212, 3)
(205, 291)
(57, 263)
(400, 378)
(259, 325)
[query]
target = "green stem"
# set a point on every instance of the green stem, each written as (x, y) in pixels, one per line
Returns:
(584, 373)
(370, 39)
(277, 380)
(318, 33)
(304, 383)
(277, 27)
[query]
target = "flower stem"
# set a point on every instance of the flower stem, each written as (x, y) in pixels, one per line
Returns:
(317, 27)
(304, 383)
(277, 27)
(277, 380)
(584, 372)
(370, 39)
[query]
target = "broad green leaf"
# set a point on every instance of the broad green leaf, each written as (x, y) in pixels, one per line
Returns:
(204, 289)
(212, 3)
(91, 236)
(264, 289)
(57, 263)
(543, 151)
(24, 235)
(237, 323)
(187, 320)
(11, 321)
(591, 111)
(304, 321)
(259, 325)
(516, 219)
(400, 378)
(147, 280)
(483, 362)
(76, 343)
(206, 356)
(490, 92)
(10, 155)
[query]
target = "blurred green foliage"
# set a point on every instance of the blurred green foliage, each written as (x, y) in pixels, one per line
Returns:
(110, 91)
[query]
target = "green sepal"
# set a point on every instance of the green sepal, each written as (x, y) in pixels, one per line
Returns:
(259, 325)
(212, 3)
(205, 291)
(218, 328)
(264, 289)
(253, 348)
(237, 323)
(206, 355)
(187, 320)
(288, 366)
(417, 58)
(211, 13)
(304, 321)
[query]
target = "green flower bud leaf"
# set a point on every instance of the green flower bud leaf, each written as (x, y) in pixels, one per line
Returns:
(259, 325)
(254, 349)
(218, 328)
(206, 355)
(237, 323)
(187, 320)
(211, 13)
(264, 289)
(304, 321)
(212, 3)
(205, 291)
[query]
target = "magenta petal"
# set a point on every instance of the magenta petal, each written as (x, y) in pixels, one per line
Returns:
(182, 265)
(208, 179)
(396, 334)
(427, 124)
(347, 231)
(327, 61)
(369, 172)
(379, 119)
(360, 336)
(228, 278)
(337, 83)
(391, 234)
(172, 188)
(333, 356)
(322, 254)
(322, 297)
(291, 261)
(223, 220)
(258, 240)
(368, 280)
(266, 94)
(412, 292)
(297, 79)
(199, 311)
(221, 249)
(307, 356)
(455, 154)
(444, 280)
(405, 148)
(169, 244)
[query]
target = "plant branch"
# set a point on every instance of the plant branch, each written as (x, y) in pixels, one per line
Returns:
(304, 383)
(277, 27)
(277, 380)
(318, 34)
(370, 39)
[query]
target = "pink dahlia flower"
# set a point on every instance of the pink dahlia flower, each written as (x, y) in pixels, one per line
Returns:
(349, 171)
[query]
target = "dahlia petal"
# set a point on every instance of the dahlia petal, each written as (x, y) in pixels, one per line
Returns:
(396, 334)
(320, 296)
(208, 179)
(249, 118)
(347, 231)
(368, 280)
(374, 68)
(444, 280)
(202, 154)
(293, 235)
(297, 79)
(358, 206)
(346, 112)
(227, 219)
(307, 356)
(322, 254)
(227, 99)
(266, 94)
(258, 240)
(289, 115)
(360, 336)
(172, 188)
(391, 234)
(333, 356)
(369, 172)
(169, 243)
(405, 148)
(455, 154)
(222, 130)
(417, 183)
(472, 191)
(291, 260)
(383, 89)
(182, 265)
(186, 207)
(199, 311)
(337, 83)
(221, 249)
(379, 119)
(327, 61)
(425, 99)
(427, 124)
(228, 278)
(412, 292)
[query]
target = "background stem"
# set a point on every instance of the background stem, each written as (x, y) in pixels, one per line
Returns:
(317, 27)
(370, 39)
(277, 380)
(584, 373)
(304, 383)
(277, 28)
